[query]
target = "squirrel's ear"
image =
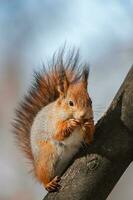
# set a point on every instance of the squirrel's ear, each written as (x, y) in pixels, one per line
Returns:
(63, 83)
(85, 75)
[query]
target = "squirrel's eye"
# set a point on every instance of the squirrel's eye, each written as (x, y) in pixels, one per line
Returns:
(71, 103)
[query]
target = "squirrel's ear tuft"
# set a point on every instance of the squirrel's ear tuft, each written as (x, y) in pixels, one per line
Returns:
(85, 75)
(63, 83)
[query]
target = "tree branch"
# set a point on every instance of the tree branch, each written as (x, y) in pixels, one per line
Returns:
(98, 167)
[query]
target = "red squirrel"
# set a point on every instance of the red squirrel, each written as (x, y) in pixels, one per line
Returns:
(55, 118)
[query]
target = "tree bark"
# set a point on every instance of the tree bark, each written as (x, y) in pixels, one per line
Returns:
(98, 167)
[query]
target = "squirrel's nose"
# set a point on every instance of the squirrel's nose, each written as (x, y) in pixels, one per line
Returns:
(81, 116)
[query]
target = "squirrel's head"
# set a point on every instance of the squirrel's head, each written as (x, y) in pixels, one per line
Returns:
(74, 99)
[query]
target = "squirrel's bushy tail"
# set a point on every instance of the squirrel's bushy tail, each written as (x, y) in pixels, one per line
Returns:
(42, 92)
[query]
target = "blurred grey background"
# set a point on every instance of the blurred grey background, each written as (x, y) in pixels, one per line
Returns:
(30, 32)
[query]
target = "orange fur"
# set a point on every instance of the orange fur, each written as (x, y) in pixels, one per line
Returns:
(64, 129)
(89, 131)
(45, 162)
(76, 90)
(43, 91)
(63, 82)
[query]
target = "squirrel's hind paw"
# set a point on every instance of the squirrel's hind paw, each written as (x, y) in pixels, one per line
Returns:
(53, 186)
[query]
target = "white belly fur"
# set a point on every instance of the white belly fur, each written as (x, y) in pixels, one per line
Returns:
(67, 149)
(42, 130)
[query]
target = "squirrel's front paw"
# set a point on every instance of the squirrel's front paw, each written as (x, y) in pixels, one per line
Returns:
(73, 123)
(88, 123)
(88, 129)
(89, 126)
(65, 129)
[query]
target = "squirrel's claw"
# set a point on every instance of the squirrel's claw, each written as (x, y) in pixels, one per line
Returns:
(53, 185)
(86, 124)
(73, 122)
